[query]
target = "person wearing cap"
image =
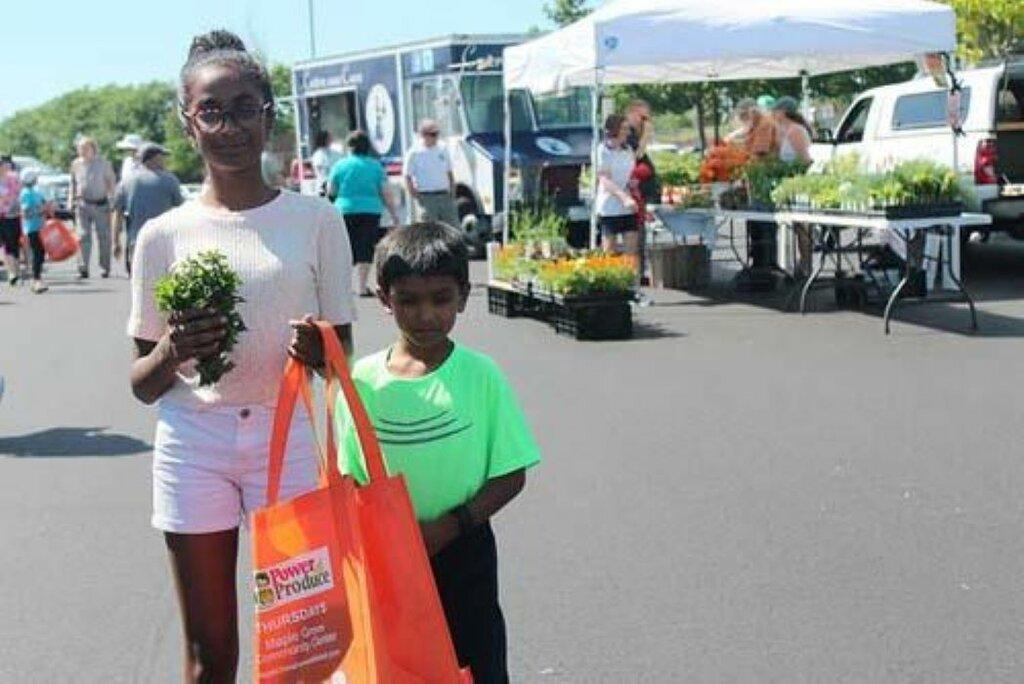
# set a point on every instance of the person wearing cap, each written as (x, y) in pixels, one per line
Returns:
(757, 133)
(766, 102)
(92, 185)
(429, 178)
(130, 145)
(146, 194)
(33, 211)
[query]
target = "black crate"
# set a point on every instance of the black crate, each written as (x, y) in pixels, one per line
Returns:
(503, 302)
(593, 320)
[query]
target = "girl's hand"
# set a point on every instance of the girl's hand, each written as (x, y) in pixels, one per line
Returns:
(195, 334)
(307, 347)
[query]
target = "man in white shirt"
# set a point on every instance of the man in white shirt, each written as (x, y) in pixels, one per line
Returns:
(429, 178)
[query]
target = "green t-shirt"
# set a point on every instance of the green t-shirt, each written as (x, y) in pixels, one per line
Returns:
(448, 432)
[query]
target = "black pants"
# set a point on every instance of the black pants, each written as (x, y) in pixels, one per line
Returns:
(466, 573)
(38, 254)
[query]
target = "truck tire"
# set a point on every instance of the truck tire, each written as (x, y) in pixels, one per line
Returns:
(469, 220)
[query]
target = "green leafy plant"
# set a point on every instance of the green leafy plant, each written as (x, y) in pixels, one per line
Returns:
(676, 169)
(205, 281)
(763, 175)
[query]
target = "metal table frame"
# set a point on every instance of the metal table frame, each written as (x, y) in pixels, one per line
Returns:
(827, 232)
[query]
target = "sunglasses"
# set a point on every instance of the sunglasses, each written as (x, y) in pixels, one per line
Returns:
(213, 119)
(431, 134)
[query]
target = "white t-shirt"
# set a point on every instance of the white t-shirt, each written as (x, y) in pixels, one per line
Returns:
(429, 168)
(322, 161)
(293, 257)
(617, 163)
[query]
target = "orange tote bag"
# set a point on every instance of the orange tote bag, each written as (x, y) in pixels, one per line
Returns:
(59, 242)
(375, 617)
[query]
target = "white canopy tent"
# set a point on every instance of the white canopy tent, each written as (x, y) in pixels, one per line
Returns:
(677, 41)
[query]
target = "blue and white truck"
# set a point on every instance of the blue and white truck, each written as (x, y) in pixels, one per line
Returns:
(457, 81)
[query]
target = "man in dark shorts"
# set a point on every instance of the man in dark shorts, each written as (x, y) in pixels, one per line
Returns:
(10, 219)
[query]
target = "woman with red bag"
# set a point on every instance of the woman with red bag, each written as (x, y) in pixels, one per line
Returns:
(292, 254)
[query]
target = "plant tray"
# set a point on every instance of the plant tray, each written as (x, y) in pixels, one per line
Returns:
(916, 211)
(909, 211)
(594, 320)
(502, 301)
(587, 317)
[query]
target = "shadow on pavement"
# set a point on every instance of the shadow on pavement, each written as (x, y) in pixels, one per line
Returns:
(71, 442)
(78, 290)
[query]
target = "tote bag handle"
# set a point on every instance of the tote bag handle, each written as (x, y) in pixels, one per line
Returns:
(295, 383)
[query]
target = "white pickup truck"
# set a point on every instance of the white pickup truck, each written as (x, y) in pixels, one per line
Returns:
(890, 124)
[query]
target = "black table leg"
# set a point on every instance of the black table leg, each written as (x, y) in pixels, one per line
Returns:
(809, 283)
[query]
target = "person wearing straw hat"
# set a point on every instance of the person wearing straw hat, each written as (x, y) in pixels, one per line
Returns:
(129, 145)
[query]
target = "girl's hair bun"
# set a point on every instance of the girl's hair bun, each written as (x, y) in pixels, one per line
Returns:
(215, 41)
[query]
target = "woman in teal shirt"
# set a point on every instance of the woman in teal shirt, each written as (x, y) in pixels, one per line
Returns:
(358, 185)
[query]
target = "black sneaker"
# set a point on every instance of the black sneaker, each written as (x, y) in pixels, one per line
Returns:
(83, 275)
(12, 281)
(105, 274)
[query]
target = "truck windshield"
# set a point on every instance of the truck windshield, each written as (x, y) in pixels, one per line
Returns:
(568, 110)
(485, 108)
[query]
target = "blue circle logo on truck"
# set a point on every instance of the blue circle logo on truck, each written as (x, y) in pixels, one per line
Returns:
(380, 119)
(554, 146)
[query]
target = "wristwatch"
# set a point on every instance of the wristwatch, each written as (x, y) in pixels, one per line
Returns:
(465, 518)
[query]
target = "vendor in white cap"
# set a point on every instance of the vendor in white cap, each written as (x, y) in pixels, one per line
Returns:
(129, 145)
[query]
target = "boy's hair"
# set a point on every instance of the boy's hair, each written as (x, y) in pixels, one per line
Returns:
(423, 250)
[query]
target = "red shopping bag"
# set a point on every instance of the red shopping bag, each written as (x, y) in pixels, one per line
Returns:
(343, 586)
(59, 242)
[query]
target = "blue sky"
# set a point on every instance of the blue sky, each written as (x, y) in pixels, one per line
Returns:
(65, 44)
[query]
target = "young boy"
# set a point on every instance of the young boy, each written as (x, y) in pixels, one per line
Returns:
(33, 209)
(448, 421)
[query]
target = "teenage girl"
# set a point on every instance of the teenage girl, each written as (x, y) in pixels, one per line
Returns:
(292, 254)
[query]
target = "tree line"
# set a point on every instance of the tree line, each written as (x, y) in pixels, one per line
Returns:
(109, 112)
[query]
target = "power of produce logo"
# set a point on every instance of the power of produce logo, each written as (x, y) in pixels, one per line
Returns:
(296, 578)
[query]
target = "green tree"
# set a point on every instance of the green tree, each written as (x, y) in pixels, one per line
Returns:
(109, 112)
(988, 28)
(564, 12)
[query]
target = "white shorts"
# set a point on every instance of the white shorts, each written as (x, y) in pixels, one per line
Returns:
(210, 465)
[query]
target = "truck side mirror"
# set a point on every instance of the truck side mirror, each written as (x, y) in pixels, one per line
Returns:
(826, 135)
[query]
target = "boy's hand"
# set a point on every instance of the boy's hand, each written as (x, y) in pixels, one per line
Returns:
(439, 533)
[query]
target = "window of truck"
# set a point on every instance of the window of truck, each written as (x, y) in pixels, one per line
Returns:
(1010, 104)
(926, 110)
(569, 110)
(852, 128)
(482, 99)
(437, 99)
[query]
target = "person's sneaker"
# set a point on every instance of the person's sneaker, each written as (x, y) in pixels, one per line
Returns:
(39, 288)
(12, 281)
(105, 274)
(83, 274)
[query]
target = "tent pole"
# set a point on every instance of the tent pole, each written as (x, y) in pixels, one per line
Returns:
(805, 94)
(595, 105)
(506, 176)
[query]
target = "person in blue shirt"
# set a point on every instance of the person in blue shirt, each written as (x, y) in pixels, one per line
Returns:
(33, 211)
(358, 185)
